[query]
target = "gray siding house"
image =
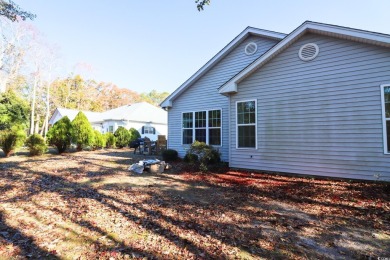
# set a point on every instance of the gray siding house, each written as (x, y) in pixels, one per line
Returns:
(315, 101)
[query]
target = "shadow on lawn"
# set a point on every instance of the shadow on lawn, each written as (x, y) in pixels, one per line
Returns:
(260, 222)
(25, 244)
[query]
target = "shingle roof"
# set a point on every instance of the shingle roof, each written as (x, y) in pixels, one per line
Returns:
(143, 112)
(139, 112)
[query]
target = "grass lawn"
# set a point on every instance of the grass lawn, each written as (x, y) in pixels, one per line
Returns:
(87, 205)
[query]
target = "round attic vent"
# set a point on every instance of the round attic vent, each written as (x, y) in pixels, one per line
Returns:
(250, 48)
(308, 51)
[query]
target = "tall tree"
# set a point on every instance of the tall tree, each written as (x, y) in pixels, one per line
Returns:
(14, 44)
(13, 110)
(201, 3)
(154, 97)
(12, 11)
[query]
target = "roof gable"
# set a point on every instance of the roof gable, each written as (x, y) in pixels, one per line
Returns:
(218, 57)
(308, 26)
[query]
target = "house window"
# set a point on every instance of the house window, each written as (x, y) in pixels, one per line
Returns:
(385, 91)
(246, 124)
(111, 129)
(200, 126)
(215, 127)
(203, 126)
(148, 130)
(187, 128)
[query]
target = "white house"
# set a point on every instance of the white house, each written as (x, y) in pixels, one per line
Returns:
(315, 101)
(149, 120)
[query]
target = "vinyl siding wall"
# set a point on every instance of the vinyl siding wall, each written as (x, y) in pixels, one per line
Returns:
(321, 117)
(203, 94)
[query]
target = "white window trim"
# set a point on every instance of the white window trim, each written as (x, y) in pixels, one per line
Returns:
(182, 128)
(246, 148)
(384, 119)
(207, 126)
(148, 127)
(112, 129)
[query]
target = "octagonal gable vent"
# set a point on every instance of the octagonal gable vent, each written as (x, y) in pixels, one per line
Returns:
(250, 48)
(308, 52)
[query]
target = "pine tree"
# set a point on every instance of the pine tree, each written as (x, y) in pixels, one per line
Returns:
(122, 137)
(60, 134)
(82, 131)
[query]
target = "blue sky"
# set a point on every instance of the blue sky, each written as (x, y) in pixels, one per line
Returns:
(145, 45)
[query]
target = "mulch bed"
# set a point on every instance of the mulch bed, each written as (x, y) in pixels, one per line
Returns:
(89, 206)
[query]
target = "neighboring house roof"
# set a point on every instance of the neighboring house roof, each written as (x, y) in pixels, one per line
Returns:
(71, 114)
(308, 26)
(220, 55)
(138, 112)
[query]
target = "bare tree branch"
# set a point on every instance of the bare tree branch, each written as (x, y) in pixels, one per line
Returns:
(201, 3)
(12, 11)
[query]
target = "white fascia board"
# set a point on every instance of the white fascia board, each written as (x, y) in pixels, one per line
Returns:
(166, 103)
(265, 33)
(375, 38)
(227, 89)
(249, 30)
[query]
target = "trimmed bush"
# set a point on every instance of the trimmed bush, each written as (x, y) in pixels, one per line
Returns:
(60, 134)
(170, 155)
(82, 132)
(122, 137)
(203, 154)
(110, 140)
(12, 139)
(100, 140)
(36, 144)
(134, 134)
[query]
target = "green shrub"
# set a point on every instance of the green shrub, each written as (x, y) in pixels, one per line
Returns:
(169, 155)
(60, 134)
(122, 137)
(134, 134)
(190, 158)
(12, 139)
(82, 131)
(13, 111)
(110, 140)
(100, 140)
(202, 154)
(36, 144)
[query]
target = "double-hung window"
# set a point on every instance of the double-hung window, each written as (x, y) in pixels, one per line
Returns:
(188, 125)
(148, 130)
(385, 91)
(246, 124)
(214, 127)
(203, 126)
(200, 126)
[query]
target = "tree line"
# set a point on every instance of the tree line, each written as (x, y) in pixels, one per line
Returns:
(27, 65)
(62, 135)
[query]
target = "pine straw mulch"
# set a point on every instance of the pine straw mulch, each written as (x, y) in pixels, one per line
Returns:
(87, 205)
